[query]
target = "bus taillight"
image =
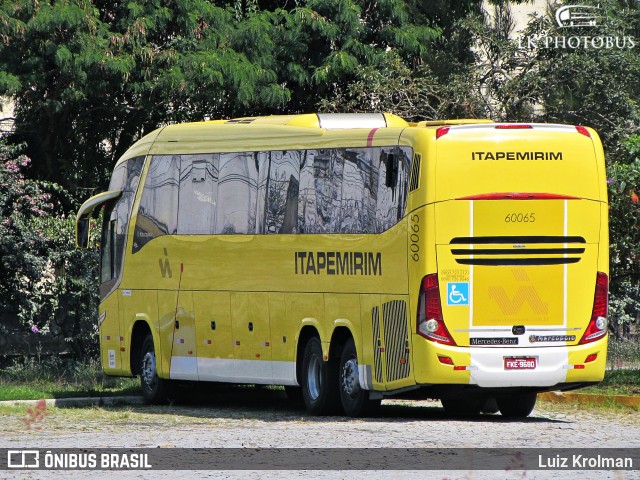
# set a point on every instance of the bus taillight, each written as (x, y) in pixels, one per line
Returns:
(430, 323)
(583, 131)
(597, 327)
(441, 131)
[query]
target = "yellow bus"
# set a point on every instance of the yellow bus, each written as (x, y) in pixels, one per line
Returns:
(350, 257)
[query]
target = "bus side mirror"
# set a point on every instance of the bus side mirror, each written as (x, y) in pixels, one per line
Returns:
(82, 232)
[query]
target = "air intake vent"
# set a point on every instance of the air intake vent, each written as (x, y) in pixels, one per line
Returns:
(415, 172)
(547, 250)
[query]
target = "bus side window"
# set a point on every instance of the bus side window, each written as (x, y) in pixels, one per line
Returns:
(198, 194)
(107, 248)
(392, 186)
(278, 191)
(126, 177)
(237, 193)
(357, 211)
(320, 192)
(158, 211)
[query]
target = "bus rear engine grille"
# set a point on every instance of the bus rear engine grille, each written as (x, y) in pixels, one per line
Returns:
(493, 251)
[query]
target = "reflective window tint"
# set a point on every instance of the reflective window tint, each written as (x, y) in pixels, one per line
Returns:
(237, 193)
(158, 212)
(123, 208)
(346, 190)
(198, 194)
(357, 213)
(391, 199)
(126, 177)
(279, 187)
(107, 244)
(321, 192)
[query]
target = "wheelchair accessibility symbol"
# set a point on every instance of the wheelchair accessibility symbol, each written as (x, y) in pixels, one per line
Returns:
(458, 293)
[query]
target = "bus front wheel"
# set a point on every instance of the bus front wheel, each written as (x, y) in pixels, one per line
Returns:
(154, 388)
(517, 405)
(319, 381)
(355, 400)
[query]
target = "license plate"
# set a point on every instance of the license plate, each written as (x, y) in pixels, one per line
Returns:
(520, 363)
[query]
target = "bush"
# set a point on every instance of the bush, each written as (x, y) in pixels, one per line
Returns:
(624, 220)
(45, 282)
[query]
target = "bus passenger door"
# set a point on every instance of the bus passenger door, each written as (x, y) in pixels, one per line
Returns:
(109, 328)
(213, 336)
(251, 337)
(110, 297)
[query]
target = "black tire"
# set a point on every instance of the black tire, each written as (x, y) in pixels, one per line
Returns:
(489, 405)
(319, 381)
(517, 405)
(154, 388)
(462, 407)
(355, 400)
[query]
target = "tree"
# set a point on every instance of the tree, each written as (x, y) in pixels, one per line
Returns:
(462, 75)
(509, 78)
(89, 78)
(599, 87)
(45, 282)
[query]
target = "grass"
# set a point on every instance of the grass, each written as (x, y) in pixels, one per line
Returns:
(53, 377)
(34, 378)
(617, 382)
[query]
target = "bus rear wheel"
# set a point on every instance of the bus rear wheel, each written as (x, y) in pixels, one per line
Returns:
(517, 405)
(319, 381)
(154, 388)
(355, 400)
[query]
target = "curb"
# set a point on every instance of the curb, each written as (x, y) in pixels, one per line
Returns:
(590, 398)
(78, 401)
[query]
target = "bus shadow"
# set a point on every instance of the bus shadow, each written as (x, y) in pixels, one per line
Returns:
(271, 404)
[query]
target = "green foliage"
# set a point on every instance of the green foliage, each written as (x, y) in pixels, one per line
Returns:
(468, 72)
(599, 87)
(624, 226)
(89, 78)
(26, 274)
(47, 283)
(414, 94)
(478, 69)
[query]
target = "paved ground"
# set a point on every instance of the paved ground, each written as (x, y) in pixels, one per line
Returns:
(250, 418)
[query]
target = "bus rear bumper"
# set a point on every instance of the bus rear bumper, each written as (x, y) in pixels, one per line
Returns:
(498, 367)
